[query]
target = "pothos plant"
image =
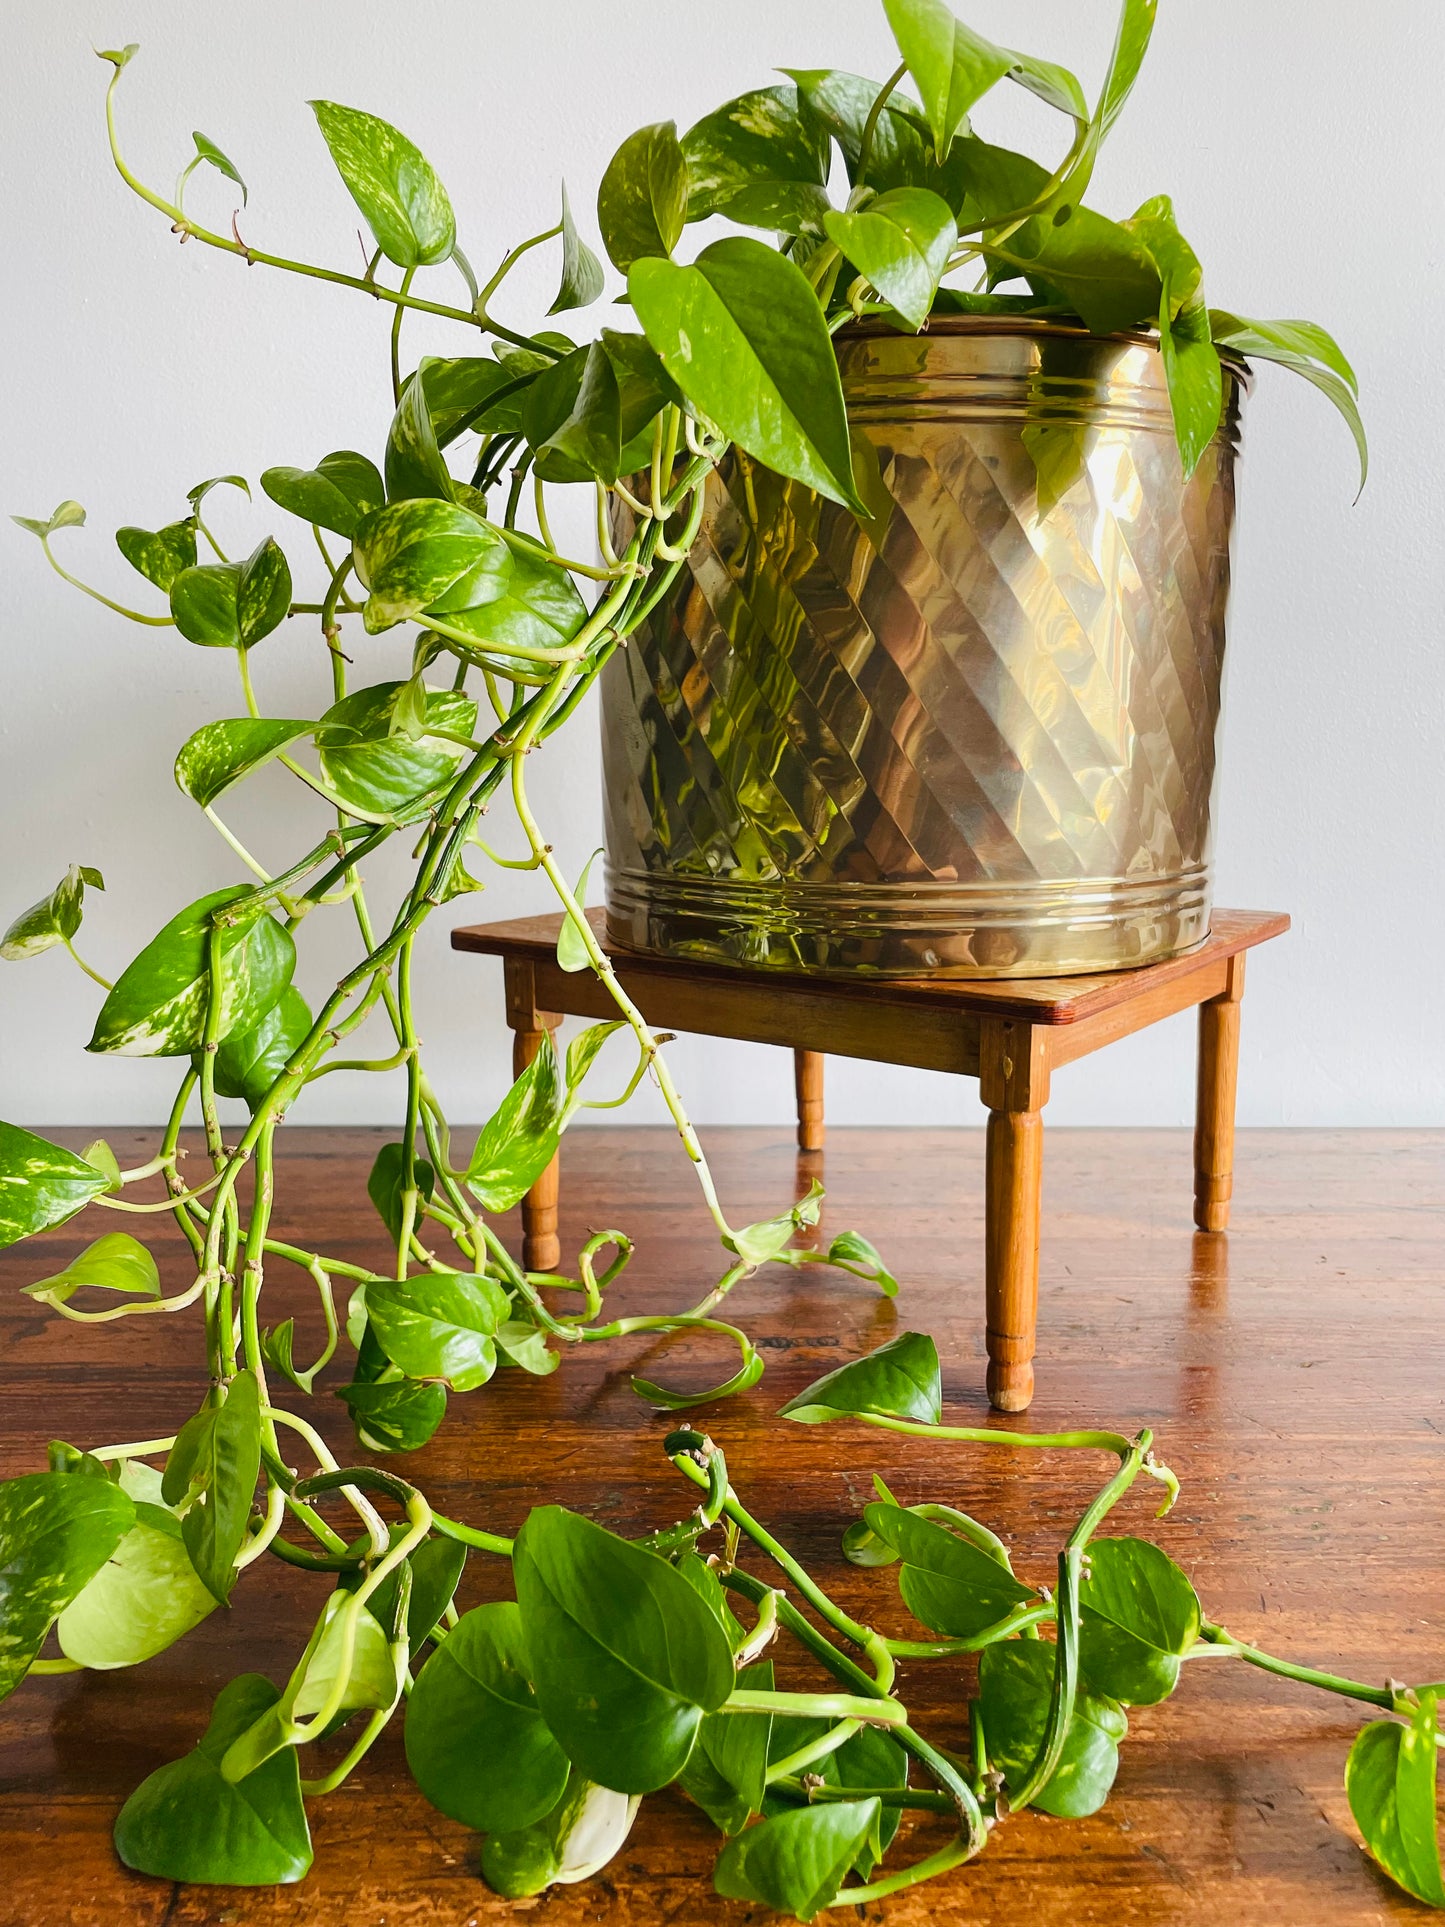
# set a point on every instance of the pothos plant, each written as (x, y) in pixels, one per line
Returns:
(619, 1669)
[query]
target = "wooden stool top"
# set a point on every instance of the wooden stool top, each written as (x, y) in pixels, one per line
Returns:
(1031, 1000)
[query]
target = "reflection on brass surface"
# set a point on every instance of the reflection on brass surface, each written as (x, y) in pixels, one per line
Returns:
(974, 735)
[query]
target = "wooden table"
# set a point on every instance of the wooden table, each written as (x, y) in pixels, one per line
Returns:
(1009, 1033)
(1292, 1374)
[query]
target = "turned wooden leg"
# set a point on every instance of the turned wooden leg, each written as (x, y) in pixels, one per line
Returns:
(541, 1247)
(1014, 1083)
(808, 1079)
(1214, 1113)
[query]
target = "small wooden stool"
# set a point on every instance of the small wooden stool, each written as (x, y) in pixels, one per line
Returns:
(1010, 1034)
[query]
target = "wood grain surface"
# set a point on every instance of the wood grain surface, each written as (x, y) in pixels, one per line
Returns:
(1293, 1371)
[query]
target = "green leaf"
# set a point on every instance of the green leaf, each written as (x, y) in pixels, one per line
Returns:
(99, 1153)
(1131, 43)
(850, 1251)
(1099, 268)
(476, 1743)
(371, 1674)
(625, 1657)
(215, 1462)
(459, 394)
(415, 470)
(336, 494)
(1390, 1781)
(121, 57)
(440, 1326)
(1177, 262)
(762, 160)
(396, 1415)
(581, 270)
(195, 496)
(797, 1861)
(186, 1823)
(519, 1140)
(539, 608)
(278, 1348)
(901, 241)
(757, 1244)
(727, 1771)
(405, 205)
(585, 1830)
(207, 150)
(116, 1262)
(951, 1585)
(249, 1061)
(369, 766)
(411, 554)
(220, 754)
(741, 333)
(41, 1184)
(900, 1380)
(436, 1567)
(952, 66)
(1140, 1614)
(1305, 349)
(1015, 1679)
(571, 949)
(56, 1532)
(158, 1005)
(146, 1596)
(160, 554)
(54, 919)
(1194, 374)
(742, 1380)
(387, 1181)
(232, 605)
(642, 201)
(899, 154)
(583, 1049)
(572, 418)
(69, 515)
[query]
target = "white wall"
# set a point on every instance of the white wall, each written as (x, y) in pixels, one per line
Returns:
(1302, 153)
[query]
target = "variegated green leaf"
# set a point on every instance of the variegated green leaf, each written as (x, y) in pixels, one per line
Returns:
(41, 1184)
(518, 1143)
(369, 766)
(581, 270)
(160, 554)
(335, 494)
(405, 205)
(414, 465)
(55, 919)
(231, 605)
(220, 754)
(410, 554)
(115, 1262)
(56, 1532)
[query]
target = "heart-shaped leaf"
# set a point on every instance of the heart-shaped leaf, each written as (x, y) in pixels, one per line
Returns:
(900, 153)
(405, 205)
(336, 494)
(116, 1262)
(901, 241)
(214, 1464)
(539, 607)
(581, 270)
(951, 65)
(519, 1141)
(1194, 373)
(952, 1585)
(56, 1532)
(761, 156)
(394, 1415)
(232, 605)
(160, 554)
(250, 1061)
(523, 1345)
(583, 1049)
(1015, 1679)
(476, 1742)
(55, 919)
(1140, 1614)
(1390, 1781)
(188, 1823)
(410, 554)
(158, 1005)
(1096, 266)
(41, 1184)
(642, 201)
(742, 335)
(900, 1380)
(850, 1251)
(727, 1771)
(146, 1596)
(797, 1861)
(220, 754)
(367, 764)
(440, 1326)
(624, 1655)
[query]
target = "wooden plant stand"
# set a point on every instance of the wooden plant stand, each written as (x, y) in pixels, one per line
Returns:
(1011, 1034)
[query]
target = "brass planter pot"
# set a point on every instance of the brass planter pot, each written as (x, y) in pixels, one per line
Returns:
(975, 736)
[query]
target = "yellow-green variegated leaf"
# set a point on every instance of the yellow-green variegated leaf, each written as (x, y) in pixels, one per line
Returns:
(411, 553)
(220, 754)
(55, 919)
(335, 494)
(405, 205)
(158, 1005)
(41, 1184)
(377, 770)
(231, 605)
(160, 554)
(115, 1262)
(57, 1530)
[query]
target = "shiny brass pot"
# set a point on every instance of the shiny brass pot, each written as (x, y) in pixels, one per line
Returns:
(974, 735)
